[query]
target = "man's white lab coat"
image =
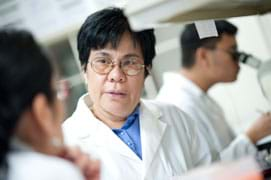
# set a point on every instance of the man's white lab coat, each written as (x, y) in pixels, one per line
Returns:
(170, 144)
(208, 115)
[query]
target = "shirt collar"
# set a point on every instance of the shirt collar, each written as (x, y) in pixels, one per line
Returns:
(131, 118)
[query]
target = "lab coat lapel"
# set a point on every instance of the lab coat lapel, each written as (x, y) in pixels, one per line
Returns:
(106, 138)
(94, 132)
(152, 131)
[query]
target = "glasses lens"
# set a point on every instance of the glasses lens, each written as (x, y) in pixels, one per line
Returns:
(101, 66)
(131, 67)
(62, 89)
(131, 72)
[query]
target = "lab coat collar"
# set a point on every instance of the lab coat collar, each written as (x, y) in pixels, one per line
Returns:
(194, 89)
(18, 145)
(177, 80)
(151, 131)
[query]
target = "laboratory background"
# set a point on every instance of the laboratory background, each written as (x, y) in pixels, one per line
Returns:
(55, 23)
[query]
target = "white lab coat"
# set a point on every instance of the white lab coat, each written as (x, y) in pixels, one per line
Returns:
(209, 116)
(170, 143)
(26, 164)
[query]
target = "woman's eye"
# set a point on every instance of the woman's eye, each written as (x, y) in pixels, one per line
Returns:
(103, 61)
(128, 62)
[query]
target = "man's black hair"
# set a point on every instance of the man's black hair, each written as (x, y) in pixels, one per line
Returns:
(190, 40)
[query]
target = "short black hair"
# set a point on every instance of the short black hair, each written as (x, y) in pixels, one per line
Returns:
(25, 72)
(190, 40)
(108, 26)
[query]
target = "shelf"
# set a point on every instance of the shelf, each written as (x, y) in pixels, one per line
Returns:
(159, 12)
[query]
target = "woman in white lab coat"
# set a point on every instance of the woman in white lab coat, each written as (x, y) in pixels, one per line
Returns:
(31, 145)
(133, 138)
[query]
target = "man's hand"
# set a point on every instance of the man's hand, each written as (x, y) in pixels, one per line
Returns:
(260, 128)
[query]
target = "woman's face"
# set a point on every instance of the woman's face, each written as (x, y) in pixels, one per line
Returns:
(115, 93)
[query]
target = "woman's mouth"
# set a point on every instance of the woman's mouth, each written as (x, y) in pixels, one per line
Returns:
(116, 93)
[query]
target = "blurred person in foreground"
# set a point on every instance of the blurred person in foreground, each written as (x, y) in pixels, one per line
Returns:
(133, 138)
(205, 63)
(31, 140)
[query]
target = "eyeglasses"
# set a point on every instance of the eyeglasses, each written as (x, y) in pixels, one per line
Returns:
(233, 53)
(62, 89)
(130, 66)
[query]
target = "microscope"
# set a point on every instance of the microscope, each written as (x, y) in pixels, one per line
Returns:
(263, 69)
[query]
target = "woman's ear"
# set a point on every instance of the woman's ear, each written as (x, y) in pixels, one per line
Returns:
(148, 68)
(84, 75)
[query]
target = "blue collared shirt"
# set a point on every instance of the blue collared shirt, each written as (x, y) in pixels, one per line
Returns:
(129, 133)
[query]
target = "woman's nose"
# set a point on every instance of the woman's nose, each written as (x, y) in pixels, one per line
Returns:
(116, 74)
